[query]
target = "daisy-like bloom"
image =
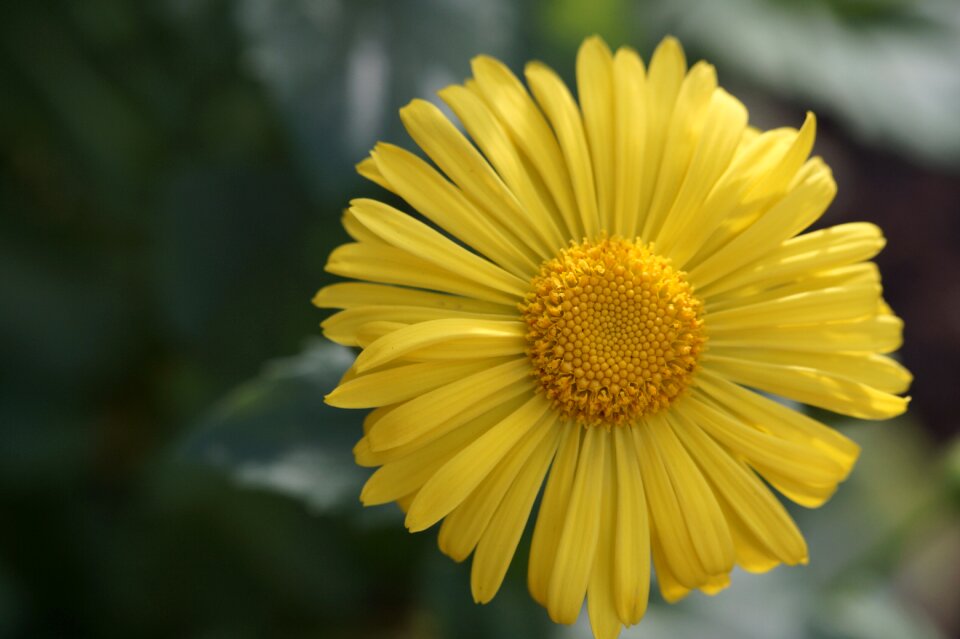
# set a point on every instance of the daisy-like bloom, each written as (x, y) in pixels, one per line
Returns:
(594, 295)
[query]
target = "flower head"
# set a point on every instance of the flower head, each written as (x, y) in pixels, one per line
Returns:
(592, 295)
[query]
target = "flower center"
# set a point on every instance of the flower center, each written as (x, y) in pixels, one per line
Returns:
(614, 331)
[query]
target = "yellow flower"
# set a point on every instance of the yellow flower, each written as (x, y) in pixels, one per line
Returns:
(592, 292)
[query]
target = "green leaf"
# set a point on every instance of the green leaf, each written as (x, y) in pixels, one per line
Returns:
(275, 431)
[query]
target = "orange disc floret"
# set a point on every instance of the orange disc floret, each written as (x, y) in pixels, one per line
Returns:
(615, 332)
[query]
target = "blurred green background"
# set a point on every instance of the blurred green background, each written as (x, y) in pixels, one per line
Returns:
(171, 181)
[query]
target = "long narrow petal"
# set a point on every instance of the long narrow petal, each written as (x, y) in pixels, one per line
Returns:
(595, 86)
(559, 107)
(601, 603)
(782, 173)
(388, 265)
(826, 248)
(517, 111)
(779, 420)
(863, 274)
(880, 334)
(402, 383)
(469, 170)
(666, 511)
(722, 132)
(499, 541)
(348, 325)
(759, 510)
(798, 209)
(550, 518)
(493, 139)
(401, 230)
(631, 572)
(667, 69)
(497, 338)
(434, 411)
(760, 448)
(445, 205)
(704, 519)
(686, 123)
(410, 472)
(753, 554)
(802, 472)
(462, 528)
(838, 303)
(459, 476)
(577, 546)
(811, 386)
(878, 371)
(353, 294)
(367, 168)
(630, 118)
(357, 231)
(730, 207)
(366, 455)
(671, 589)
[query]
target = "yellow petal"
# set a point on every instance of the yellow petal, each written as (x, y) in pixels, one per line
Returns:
(666, 512)
(492, 338)
(462, 528)
(354, 294)
(838, 303)
(811, 386)
(865, 274)
(365, 455)
(799, 208)
(345, 326)
(401, 383)
(601, 604)
(686, 124)
(581, 532)
(389, 265)
(357, 231)
(827, 248)
(758, 509)
(880, 334)
(760, 448)
(595, 86)
(518, 113)
(779, 178)
(684, 228)
(368, 169)
(404, 232)
(880, 372)
(779, 420)
(630, 118)
(667, 69)
(468, 169)
(730, 208)
(631, 570)
(493, 139)
(445, 205)
(408, 473)
(499, 541)
(715, 584)
(671, 589)
(701, 513)
(753, 555)
(433, 413)
(558, 105)
(459, 476)
(550, 518)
